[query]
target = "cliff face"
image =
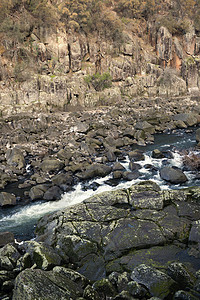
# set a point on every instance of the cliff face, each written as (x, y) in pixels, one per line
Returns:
(51, 68)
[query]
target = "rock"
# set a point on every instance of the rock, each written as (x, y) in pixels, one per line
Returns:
(136, 155)
(15, 158)
(81, 127)
(124, 295)
(179, 273)
(38, 284)
(79, 279)
(122, 281)
(90, 294)
(158, 256)
(198, 135)
(95, 170)
(130, 175)
(158, 283)
(164, 45)
(195, 232)
(51, 165)
(90, 263)
(133, 166)
(104, 288)
(11, 252)
(62, 178)
(180, 124)
(145, 126)
(173, 175)
(136, 289)
(37, 191)
(64, 154)
(5, 238)
(118, 174)
(183, 295)
(157, 154)
(42, 255)
(190, 119)
(5, 263)
(53, 193)
(118, 167)
(119, 230)
(4, 179)
(7, 199)
(132, 233)
(147, 199)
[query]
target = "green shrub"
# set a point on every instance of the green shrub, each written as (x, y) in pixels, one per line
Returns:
(99, 81)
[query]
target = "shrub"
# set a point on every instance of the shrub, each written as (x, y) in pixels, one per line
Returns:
(98, 81)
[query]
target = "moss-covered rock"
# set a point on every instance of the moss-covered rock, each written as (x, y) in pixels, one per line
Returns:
(158, 283)
(37, 284)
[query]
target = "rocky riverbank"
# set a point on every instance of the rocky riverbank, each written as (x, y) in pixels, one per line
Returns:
(44, 155)
(135, 243)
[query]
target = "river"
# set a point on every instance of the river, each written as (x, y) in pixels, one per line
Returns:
(22, 219)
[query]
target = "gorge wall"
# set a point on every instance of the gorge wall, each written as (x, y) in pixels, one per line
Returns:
(51, 69)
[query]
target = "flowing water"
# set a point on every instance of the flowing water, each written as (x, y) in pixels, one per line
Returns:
(21, 220)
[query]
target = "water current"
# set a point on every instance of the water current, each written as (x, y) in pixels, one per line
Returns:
(21, 220)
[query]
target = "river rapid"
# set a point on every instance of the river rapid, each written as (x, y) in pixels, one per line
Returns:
(22, 219)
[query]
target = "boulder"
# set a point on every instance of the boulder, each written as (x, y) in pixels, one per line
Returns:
(173, 175)
(145, 126)
(37, 191)
(136, 155)
(158, 283)
(5, 238)
(51, 165)
(134, 166)
(42, 255)
(198, 135)
(157, 154)
(127, 175)
(62, 178)
(53, 193)
(15, 158)
(7, 199)
(118, 167)
(190, 119)
(95, 170)
(49, 285)
(81, 127)
(195, 232)
(179, 273)
(11, 252)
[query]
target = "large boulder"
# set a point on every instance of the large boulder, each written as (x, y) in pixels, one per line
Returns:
(38, 284)
(173, 175)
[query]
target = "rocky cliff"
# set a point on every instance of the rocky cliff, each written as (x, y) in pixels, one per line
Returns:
(50, 69)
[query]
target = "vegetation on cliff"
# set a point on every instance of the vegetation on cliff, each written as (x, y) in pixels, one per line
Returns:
(123, 38)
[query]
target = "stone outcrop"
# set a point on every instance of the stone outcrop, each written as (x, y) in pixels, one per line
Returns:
(119, 244)
(173, 175)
